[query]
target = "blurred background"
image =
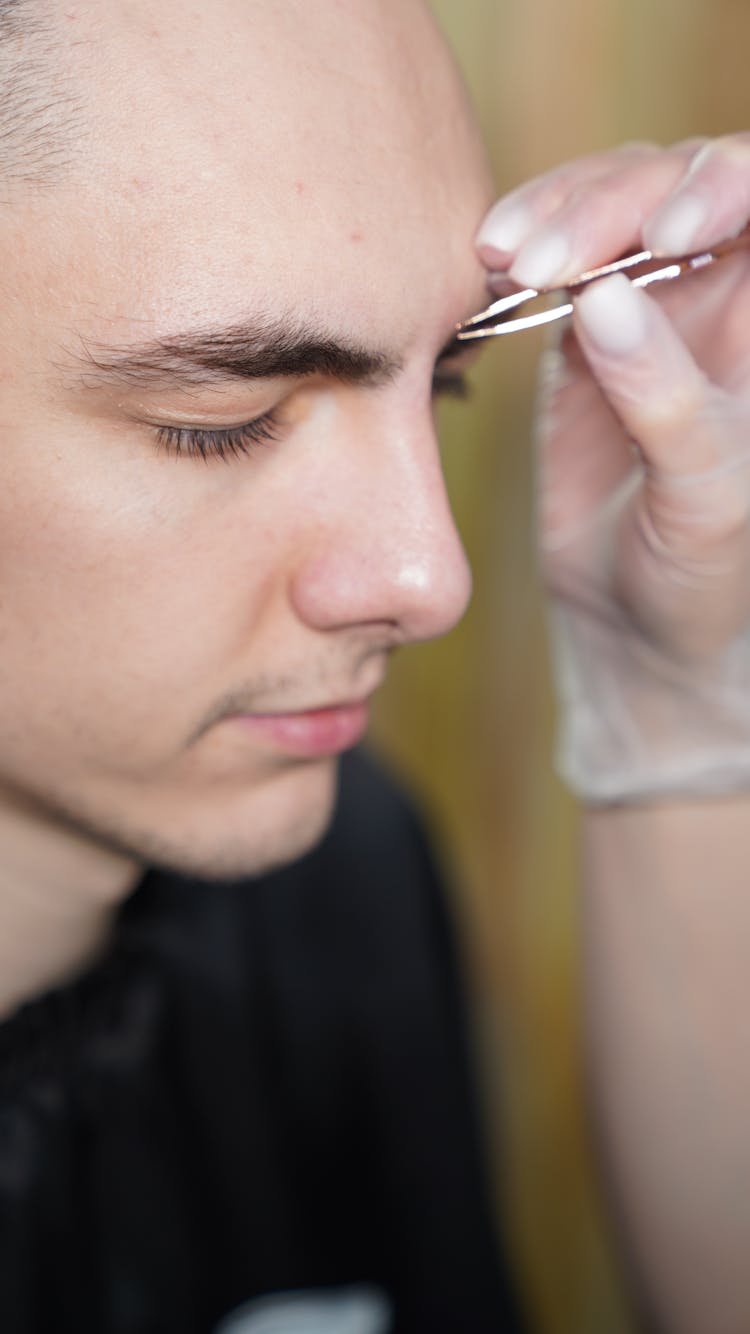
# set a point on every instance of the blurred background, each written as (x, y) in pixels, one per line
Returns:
(469, 722)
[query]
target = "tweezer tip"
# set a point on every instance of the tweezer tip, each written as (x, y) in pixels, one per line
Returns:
(463, 334)
(501, 306)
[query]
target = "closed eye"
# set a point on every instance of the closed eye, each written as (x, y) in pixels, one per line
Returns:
(231, 442)
(225, 442)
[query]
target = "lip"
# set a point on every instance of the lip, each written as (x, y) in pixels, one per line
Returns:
(309, 733)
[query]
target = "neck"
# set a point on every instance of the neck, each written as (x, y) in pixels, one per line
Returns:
(59, 895)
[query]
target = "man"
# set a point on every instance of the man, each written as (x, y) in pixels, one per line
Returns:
(237, 242)
(222, 510)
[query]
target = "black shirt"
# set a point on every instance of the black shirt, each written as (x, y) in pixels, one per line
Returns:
(264, 1087)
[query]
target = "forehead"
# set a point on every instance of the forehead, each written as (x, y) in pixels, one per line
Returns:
(268, 153)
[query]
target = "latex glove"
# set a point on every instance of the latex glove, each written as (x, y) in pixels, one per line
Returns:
(644, 467)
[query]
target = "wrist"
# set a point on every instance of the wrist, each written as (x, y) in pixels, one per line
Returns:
(635, 725)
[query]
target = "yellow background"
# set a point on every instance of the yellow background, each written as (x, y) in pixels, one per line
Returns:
(469, 721)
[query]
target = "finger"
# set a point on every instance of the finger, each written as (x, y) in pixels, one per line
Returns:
(664, 400)
(678, 418)
(600, 220)
(514, 217)
(583, 455)
(710, 203)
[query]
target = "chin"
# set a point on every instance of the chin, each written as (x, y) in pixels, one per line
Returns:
(254, 832)
(209, 830)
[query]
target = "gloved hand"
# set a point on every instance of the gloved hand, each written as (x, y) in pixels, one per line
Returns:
(644, 467)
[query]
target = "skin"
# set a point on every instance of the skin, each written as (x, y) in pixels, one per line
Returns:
(138, 590)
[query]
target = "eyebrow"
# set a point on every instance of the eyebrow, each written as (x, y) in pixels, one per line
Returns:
(244, 351)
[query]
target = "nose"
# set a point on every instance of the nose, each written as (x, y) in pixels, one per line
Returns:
(383, 547)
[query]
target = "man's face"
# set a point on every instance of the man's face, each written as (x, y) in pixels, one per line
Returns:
(242, 166)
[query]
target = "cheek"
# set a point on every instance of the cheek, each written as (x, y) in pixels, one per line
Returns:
(136, 585)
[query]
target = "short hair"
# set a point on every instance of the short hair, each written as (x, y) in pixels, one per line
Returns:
(38, 106)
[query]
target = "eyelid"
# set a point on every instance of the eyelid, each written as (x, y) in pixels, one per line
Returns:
(222, 443)
(164, 417)
(191, 439)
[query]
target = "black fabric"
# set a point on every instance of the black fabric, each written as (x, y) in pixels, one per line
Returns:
(264, 1087)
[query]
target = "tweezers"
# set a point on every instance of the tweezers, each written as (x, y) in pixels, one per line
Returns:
(642, 268)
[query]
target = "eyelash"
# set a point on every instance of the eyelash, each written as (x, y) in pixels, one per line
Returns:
(226, 442)
(231, 442)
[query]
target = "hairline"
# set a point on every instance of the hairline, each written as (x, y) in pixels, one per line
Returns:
(40, 110)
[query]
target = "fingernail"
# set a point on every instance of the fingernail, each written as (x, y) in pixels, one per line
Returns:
(542, 261)
(505, 227)
(614, 314)
(676, 226)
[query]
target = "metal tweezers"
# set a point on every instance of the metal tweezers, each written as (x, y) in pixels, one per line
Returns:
(642, 268)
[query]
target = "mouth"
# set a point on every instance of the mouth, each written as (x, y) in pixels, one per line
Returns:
(308, 733)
